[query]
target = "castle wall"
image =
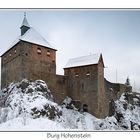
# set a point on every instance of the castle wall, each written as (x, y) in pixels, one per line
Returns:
(114, 90)
(43, 66)
(86, 87)
(84, 84)
(11, 65)
(83, 90)
(103, 106)
(56, 84)
(45, 57)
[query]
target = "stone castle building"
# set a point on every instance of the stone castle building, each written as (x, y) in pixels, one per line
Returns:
(32, 57)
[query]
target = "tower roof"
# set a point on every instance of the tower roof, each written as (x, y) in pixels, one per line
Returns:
(25, 22)
(32, 36)
(84, 60)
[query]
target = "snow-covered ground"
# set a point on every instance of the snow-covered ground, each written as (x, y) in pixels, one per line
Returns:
(29, 106)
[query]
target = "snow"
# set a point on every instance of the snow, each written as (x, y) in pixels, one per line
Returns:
(130, 115)
(32, 36)
(83, 61)
(19, 124)
(135, 99)
(67, 100)
(17, 105)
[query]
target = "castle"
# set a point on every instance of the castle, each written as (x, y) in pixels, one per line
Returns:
(32, 57)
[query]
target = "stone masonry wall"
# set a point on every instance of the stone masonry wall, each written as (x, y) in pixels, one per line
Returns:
(114, 90)
(103, 106)
(82, 86)
(12, 65)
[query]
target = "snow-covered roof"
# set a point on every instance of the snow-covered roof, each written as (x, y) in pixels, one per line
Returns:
(25, 22)
(32, 36)
(83, 61)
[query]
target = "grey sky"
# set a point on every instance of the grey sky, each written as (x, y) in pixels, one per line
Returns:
(114, 33)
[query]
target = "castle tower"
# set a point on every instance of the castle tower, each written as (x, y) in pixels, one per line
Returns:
(85, 84)
(30, 56)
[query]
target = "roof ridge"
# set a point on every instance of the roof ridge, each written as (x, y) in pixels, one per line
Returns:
(86, 55)
(83, 60)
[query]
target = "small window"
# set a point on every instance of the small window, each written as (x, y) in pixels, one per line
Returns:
(76, 75)
(15, 51)
(48, 53)
(39, 50)
(10, 54)
(87, 74)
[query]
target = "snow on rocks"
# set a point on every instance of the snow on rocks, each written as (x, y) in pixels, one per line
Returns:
(127, 115)
(30, 106)
(31, 99)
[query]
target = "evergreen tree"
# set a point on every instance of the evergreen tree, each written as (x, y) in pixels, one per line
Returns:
(127, 81)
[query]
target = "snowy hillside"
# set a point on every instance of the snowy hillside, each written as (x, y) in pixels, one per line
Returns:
(30, 106)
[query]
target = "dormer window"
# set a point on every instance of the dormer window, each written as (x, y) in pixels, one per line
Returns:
(39, 50)
(48, 53)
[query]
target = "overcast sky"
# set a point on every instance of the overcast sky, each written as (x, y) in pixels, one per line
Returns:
(74, 33)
